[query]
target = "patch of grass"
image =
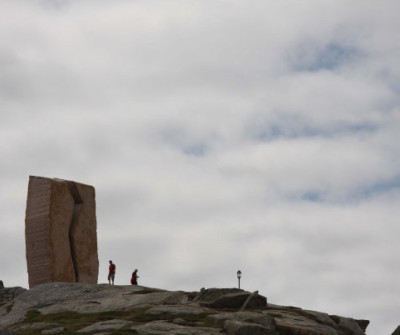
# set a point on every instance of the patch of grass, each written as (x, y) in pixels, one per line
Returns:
(32, 316)
(73, 321)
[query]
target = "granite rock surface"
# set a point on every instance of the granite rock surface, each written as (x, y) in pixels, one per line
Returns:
(57, 308)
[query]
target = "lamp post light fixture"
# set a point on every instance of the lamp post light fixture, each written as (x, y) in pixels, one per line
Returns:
(239, 275)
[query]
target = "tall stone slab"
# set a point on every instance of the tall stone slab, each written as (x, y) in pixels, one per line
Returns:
(60, 232)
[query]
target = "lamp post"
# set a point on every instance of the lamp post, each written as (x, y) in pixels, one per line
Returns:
(239, 275)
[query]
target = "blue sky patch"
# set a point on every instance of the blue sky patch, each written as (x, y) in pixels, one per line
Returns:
(380, 188)
(328, 57)
(313, 196)
(276, 131)
(197, 150)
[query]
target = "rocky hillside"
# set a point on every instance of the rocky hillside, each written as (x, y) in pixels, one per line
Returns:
(61, 308)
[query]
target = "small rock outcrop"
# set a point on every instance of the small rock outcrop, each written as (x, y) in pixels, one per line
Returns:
(8, 296)
(230, 298)
(106, 309)
(397, 331)
(60, 232)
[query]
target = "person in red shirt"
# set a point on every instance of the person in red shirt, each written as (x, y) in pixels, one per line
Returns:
(134, 277)
(111, 273)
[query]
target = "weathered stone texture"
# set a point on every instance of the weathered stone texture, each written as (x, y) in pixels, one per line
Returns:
(60, 231)
(5, 331)
(148, 311)
(104, 326)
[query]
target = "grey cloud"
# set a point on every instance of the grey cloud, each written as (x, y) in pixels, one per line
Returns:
(210, 152)
(329, 57)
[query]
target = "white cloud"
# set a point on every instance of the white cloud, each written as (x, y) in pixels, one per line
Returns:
(218, 135)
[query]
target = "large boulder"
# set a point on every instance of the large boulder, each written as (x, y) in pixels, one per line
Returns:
(293, 321)
(363, 324)
(348, 325)
(320, 317)
(230, 299)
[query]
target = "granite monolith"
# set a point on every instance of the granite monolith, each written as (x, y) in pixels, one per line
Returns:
(60, 232)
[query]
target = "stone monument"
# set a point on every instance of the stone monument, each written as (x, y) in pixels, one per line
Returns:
(60, 232)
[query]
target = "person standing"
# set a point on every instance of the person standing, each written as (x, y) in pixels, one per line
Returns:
(134, 277)
(111, 273)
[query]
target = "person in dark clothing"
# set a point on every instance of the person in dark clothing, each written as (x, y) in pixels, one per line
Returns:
(134, 277)
(111, 273)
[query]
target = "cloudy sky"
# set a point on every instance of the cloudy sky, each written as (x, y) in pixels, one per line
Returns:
(219, 135)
